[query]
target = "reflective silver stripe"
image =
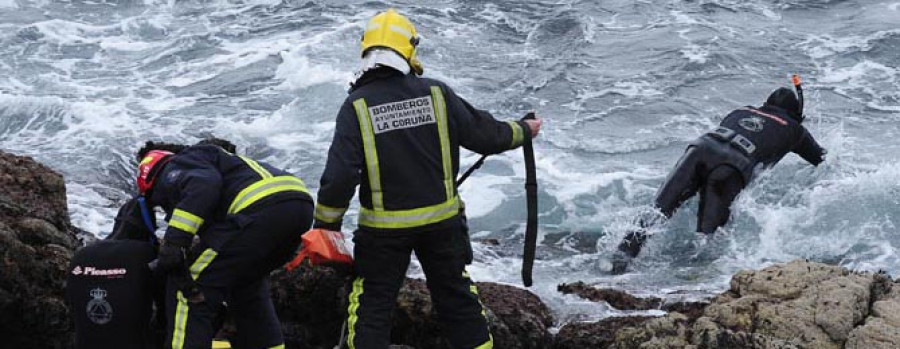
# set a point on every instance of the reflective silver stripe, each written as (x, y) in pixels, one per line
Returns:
(368, 137)
(185, 221)
(409, 218)
(202, 262)
(256, 167)
(440, 110)
(264, 188)
(329, 214)
(517, 134)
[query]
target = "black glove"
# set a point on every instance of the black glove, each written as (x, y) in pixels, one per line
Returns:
(171, 256)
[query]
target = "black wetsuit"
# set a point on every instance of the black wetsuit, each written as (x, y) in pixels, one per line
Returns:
(720, 163)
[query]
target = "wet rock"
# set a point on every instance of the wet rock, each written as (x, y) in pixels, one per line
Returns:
(617, 299)
(310, 301)
(600, 334)
(311, 305)
(799, 304)
(36, 244)
(670, 331)
(882, 329)
(516, 317)
(691, 310)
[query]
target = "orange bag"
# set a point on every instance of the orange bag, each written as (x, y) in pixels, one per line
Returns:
(322, 246)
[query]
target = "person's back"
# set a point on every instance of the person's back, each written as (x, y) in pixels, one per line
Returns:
(774, 130)
(397, 136)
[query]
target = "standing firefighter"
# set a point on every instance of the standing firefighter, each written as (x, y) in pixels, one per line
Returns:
(720, 163)
(248, 216)
(398, 137)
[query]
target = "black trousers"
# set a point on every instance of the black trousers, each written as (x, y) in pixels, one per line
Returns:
(235, 273)
(710, 167)
(381, 261)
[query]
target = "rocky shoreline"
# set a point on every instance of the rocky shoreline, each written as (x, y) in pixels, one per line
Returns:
(800, 304)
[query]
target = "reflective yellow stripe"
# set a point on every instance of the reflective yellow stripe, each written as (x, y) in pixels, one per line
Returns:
(351, 311)
(202, 262)
(517, 132)
(281, 346)
(409, 218)
(474, 290)
(181, 315)
(218, 344)
(256, 167)
(329, 214)
(264, 188)
(440, 109)
(186, 221)
(368, 138)
(487, 345)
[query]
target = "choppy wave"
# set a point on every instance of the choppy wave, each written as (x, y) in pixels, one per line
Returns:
(622, 85)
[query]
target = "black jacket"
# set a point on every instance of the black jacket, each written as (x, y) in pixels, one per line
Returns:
(774, 133)
(205, 183)
(408, 159)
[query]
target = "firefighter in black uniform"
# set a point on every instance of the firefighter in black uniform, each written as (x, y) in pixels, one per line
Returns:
(720, 163)
(249, 217)
(398, 137)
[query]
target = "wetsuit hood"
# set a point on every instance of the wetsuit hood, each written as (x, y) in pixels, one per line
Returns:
(785, 99)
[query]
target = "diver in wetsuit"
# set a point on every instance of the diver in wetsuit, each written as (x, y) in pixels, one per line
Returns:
(720, 163)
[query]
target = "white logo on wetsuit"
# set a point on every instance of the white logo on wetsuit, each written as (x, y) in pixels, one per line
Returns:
(99, 311)
(752, 123)
(403, 114)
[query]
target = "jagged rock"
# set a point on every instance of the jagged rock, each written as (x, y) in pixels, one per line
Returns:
(882, 329)
(36, 244)
(799, 304)
(600, 334)
(670, 331)
(311, 305)
(617, 299)
(691, 310)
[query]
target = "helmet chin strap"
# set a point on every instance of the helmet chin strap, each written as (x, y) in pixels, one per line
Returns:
(799, 88)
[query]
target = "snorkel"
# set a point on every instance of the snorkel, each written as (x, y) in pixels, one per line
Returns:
(798, 87)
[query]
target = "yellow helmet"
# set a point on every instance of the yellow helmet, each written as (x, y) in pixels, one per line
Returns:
(392, 30)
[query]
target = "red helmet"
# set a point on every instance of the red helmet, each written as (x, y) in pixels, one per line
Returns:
(148, 169)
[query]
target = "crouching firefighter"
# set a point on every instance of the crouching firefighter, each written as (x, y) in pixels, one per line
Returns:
(248, 218)
(720, 163)
(397, 136)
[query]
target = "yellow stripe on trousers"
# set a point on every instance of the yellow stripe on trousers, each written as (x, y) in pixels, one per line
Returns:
(351, 311)
(474, 289)
(181, 316)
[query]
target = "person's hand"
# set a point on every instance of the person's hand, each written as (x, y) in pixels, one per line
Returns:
(535, 126)
(171, 256)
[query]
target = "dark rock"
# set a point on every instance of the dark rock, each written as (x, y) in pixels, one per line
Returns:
(30, 189)
(617, 299)
(310, 302)
(600, 334)
(522, 313)
(692, 310)
(36, 244)
(311, 305)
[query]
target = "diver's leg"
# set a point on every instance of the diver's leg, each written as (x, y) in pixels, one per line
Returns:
(722, 188)
(681, 184)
